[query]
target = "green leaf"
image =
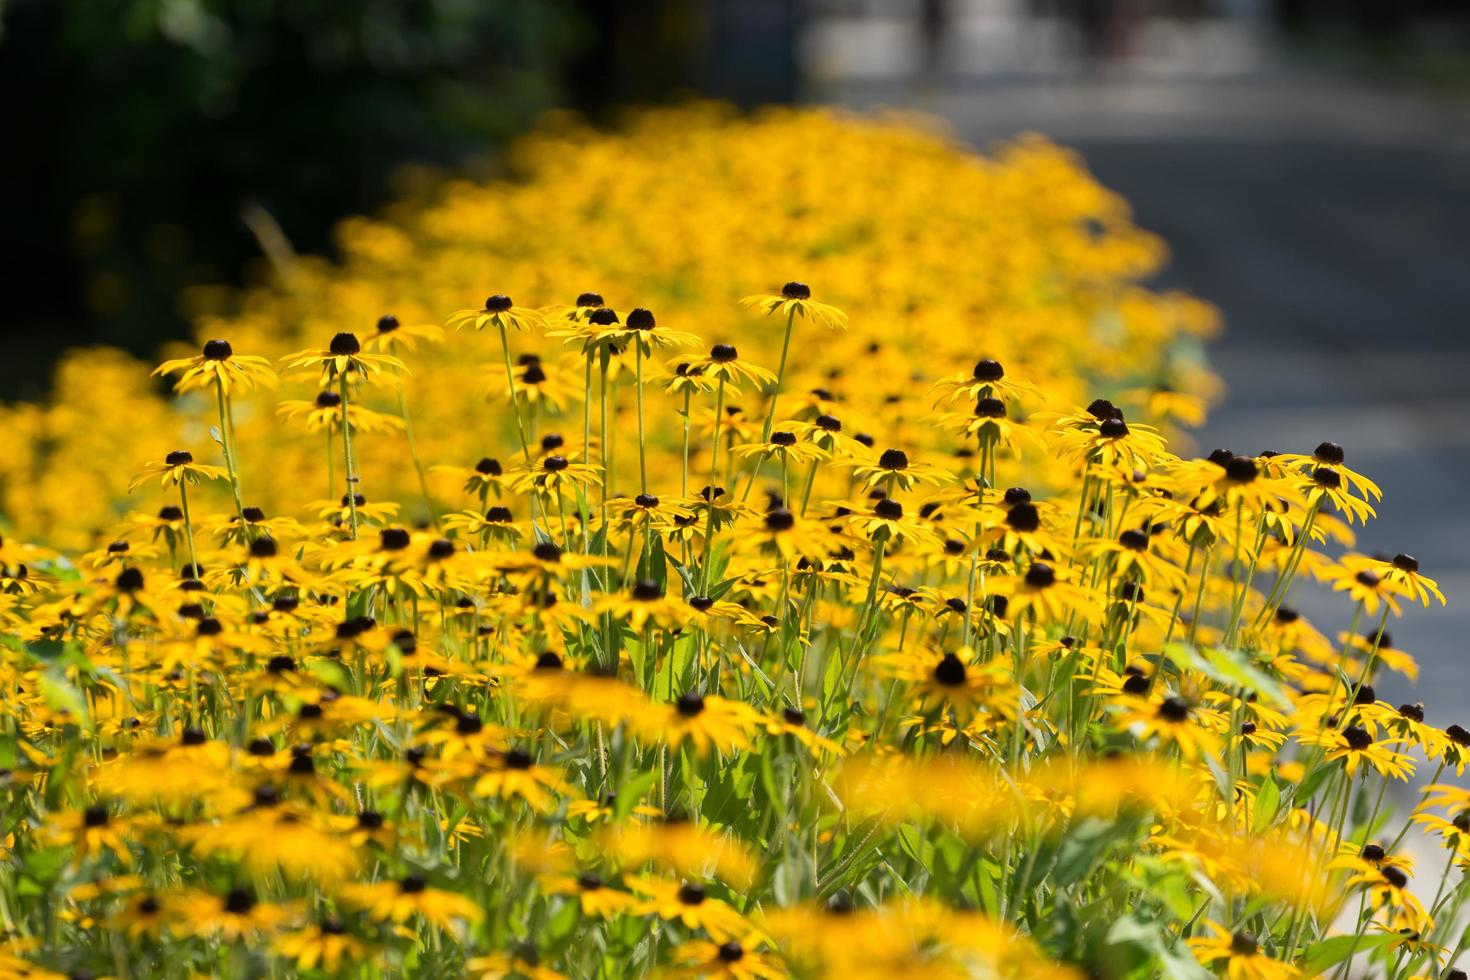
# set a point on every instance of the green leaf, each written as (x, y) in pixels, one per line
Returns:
(1082, 848)
(631, 792)
(60, 695)
(1268, 800)
(1324, 955)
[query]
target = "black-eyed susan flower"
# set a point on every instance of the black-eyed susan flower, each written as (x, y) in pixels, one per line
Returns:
(409, 898)
(795, 302)
(498, 312)
(217, 365)
(344, 359)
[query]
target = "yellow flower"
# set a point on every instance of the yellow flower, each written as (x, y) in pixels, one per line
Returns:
(178, 468)
(410, 897)
(795, 300)
(498, 312)
(218, 365)
(344, 359)
(705, 722)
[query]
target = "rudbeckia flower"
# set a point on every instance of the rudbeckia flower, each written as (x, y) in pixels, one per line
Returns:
(218, 365)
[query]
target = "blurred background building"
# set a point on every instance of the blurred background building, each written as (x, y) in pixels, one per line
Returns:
(1307, 160)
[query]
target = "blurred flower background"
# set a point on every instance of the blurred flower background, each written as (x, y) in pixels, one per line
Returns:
(1305, 160)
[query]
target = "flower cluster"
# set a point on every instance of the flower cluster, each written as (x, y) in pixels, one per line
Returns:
(714, 623)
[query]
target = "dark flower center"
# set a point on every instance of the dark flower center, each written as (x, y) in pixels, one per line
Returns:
(646, 500)
(1329, 452)
(441, 548)
(239, 902)
(412, 885)
(589, 882)
(990, 408)
(701, 602)
(498, 303)
(950, 671)
(387, 323)
(1241, 469)
(1325, 476)
(498, 515)
(647, 590)
(488, 467)
(1413, 712)
(1174, 709)
(1112, 428)
(731, 952)
(1134, 540)
(1395, 877)
(1357, 738)
(179, 457)
(1367, 578)
(723, 353)
(393, 539)
(640, 319)
(828, 423)
(469, 725)
(589, 299)
(555, 463)
(783, 438)
(796, 290)
(1023, 518)
(170, 513)
(1371, 852)
(893, 460)
(96, 816)
(1017, 495)
(1040, 575)
(518, 759)
(548, 660)
(794, 716)
(263, 548)
(988, 370)
(546, 551)
(1405, 563)
(328, 399)
(888, 509)
(602, 318)
(217, 350)
(209, 627)
(1243, 944)
(344, 345)
(780, 520)
(690, 704)
(533, 375)
(691, 893)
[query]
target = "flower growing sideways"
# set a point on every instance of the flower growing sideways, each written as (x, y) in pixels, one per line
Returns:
(875, 641)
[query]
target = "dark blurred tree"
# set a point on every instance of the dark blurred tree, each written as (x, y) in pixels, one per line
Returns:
(138, 130)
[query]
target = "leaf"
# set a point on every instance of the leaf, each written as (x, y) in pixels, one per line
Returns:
(1324, 955)
(60, 695)
(1268, 800)
(1173, 962)
(1231, 668)
(331, 673)
(631, 792)
(1083, 846)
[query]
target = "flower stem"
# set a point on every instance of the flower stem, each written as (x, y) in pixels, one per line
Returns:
(347, 456)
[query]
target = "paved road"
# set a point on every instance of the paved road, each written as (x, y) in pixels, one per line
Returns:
(1331, 223)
